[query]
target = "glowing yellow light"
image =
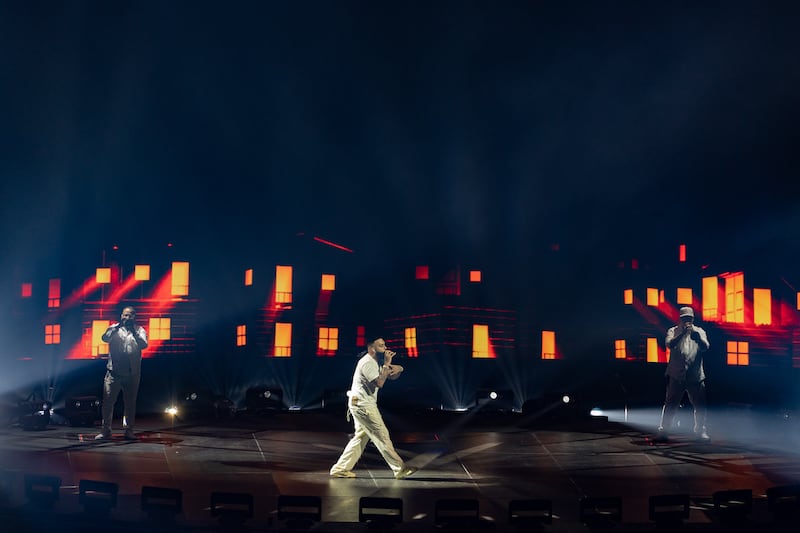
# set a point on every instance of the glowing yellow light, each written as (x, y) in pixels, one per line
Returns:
(328, 282)
(141, 273)
(548, 344)
(627, 296)
(180, 278)
(684, 296)
(102, 275)
(283, 339)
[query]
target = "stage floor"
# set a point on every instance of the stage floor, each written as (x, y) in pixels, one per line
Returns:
(493, 458)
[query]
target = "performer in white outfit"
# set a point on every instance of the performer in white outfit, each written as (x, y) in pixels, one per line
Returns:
(368, 378)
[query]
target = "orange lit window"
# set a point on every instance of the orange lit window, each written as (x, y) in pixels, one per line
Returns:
(798, 301)
(361, 334)
(480, 341)
(627, 296)
(102, 275)
(762, 307)
(652, 350)
(180, 278)
(734, 298)
(548, 344)
(98, 346)
(328, 341)
(52, 334)
(241, 335)
(141, 272)
(710, 298)
(738, 353)
(475, 276)
(283, 284)
(411, 342)
(652, 297)
(620, 350)
(328, 282)
(283, 339)
(661, 296)
(682, 253)
(54, 293)
(423, 272)
(160, 329)
(684, 296)
(248, 277)
(27, 290)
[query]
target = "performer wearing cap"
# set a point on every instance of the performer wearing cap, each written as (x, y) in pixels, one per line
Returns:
(686, 342)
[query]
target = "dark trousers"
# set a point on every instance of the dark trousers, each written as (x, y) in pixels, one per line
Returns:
(112, 385)
(697, 396)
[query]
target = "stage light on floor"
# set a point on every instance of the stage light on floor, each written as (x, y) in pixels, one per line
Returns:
(161, 504)
(381, 513)
(232, 509)
(456, 513)
(97, 497)
(262, 399)
(299, 512)
(171, 411)
(82, 410)
(204, 404)
(530, 515)
(600, 512)
(668, 511)
(596, 411)
(733, 506)
(784, 503)
(34, 415)
(42, 491)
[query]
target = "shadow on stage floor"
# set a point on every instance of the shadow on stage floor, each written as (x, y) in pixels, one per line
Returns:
(485, 471)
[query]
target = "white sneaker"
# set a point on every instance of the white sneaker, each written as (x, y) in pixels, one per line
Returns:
(343, 473)
(405, 472)
(103, 435)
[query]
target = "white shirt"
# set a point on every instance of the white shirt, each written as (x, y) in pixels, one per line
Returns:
(363, 387)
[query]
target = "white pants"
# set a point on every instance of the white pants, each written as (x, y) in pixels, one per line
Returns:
(369, 427)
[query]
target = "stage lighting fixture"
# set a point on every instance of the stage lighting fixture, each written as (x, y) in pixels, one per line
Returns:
(231, 508)
(262, 398)
(456, 513)
(566, 398)
(82, 410)
(42, 491)
(733, 506)
(784, 502)
(531, 514)
(381, 513)
(162, 504)
(299, 512)
(600, 512)
(669, 511)
(33, 414)
(495, 400)
(97, 497)
(204, 404)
